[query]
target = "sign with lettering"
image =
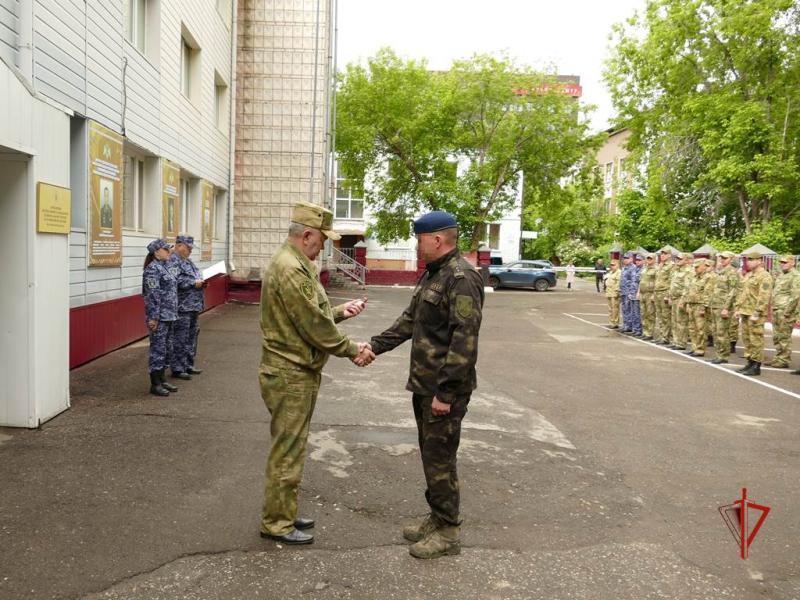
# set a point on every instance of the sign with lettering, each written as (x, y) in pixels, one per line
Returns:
(53, 208)
(105, 197)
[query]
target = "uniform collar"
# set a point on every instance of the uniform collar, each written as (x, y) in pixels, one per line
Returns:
(434, 266)
(302, 258)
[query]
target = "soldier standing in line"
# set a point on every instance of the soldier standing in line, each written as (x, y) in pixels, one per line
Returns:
(636, 312)
(299, 334)
(784, 307)
(725, 287)
(160, 293)
(695, 301)
(624, 287)
(442, 321)
(680, 319)
(647, 296)
(752, 305)
(612, 294)
(191, 298)
(664, 273)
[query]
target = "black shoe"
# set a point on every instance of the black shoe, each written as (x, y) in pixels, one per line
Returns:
(754, 370)
(796, 372)
(647, 338)
(744, 368)
(193, 371)
(302, 523)
(167, 386)
(719, 361)
(638, 334)
(155, 385)
(710, 342)
(733, 347)
(689, 352)
(181, 375)
(294, 538)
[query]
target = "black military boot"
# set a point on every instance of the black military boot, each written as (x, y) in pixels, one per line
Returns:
(155, 385)
(744, 368)
(754, 370)
(181, 375)
(192, 371)
(162, 375)
(710, 342)
(733, 347)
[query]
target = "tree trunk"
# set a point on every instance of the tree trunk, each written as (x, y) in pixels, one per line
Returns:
(744, 208)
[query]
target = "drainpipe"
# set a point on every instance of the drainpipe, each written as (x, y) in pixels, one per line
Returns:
(232, 127)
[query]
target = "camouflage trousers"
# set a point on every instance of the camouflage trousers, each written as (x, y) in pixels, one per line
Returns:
(697, 327)
(184, 344)
(721, 330)
(753, 338)
(290, 395)
(782, 337)
(648, 307)
(680, 326)
(663, 316)
(160, 346)
(438, 444)
(631, 319)
(613, 310)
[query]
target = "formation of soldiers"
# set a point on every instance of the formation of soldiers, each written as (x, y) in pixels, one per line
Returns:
(172, 288)
(690, 304)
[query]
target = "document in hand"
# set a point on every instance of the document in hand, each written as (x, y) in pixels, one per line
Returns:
(215, 269)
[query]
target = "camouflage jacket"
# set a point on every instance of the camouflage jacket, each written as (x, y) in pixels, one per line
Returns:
(297, 322)
(190, 298)
(698, 290)
(786, 294)
(612, 284)
(160, 291)
(629, 282)
(725, 288)
(680, 280)
(442, 321)
(647, 280)
(755, 293)
(664, 274)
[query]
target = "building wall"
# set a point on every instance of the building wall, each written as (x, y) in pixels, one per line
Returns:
(279, 43)
(611, 161)
(9, 31)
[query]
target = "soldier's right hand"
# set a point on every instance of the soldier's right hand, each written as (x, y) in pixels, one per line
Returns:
(152, 324)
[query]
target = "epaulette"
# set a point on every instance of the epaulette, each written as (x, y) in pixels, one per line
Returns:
(458, 273)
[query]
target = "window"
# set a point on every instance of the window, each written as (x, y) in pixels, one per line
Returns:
(608, 179)
(220, 102)
(184, 206)
(186, 68)
(493, 235)
(349, 197)
(135, 19)
(132, 193)
(220, 215)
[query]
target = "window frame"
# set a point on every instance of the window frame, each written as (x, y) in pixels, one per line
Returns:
(138, 186)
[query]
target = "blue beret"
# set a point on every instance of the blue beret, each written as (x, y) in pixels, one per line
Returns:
(434, 221)
(157, 245)
(185, 239)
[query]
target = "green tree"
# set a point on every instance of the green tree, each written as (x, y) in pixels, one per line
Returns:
(403, 128)
(709, 91)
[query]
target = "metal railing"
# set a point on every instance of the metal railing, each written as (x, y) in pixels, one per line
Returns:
(347, 265)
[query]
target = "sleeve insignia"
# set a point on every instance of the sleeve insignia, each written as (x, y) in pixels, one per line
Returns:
(307, 289)
(152, 283)
(464, 306)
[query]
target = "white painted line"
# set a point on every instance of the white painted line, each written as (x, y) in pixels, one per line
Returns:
(695, 359)
(592, 314)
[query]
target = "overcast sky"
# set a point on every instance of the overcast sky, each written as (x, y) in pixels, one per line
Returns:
(570, 34)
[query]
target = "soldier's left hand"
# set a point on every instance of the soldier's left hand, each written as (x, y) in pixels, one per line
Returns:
(354, 307)
(439, 408)
(198, 283)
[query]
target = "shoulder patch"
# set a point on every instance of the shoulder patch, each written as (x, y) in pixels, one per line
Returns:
(464, 306)
(307, 289)
(152, 283)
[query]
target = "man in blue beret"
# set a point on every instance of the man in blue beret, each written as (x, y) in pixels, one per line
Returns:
(191, 298)
(442, 321)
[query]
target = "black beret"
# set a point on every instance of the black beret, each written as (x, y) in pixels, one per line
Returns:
(434, 221)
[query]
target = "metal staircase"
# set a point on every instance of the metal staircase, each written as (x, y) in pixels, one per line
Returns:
(342, 263)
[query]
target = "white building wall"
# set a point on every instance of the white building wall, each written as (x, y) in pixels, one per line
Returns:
(9, 31)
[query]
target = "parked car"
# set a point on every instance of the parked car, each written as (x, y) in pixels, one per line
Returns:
(536, 274)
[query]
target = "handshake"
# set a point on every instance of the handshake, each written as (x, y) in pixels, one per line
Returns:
(365, 355)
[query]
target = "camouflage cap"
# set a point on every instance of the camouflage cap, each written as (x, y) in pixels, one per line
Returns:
(726, 254)
(787, 258)
(187, 240)
(638, 257)
(686, 255)
(650, 255)
(666, 251)
(629, 255)
(313, 215)
(157, 245)
(754, 256)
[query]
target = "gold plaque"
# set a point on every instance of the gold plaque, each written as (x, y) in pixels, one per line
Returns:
(53, 208)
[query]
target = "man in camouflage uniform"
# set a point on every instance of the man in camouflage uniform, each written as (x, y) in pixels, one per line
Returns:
(695, 300)
(725, 287)
(664, 273)
(784, 311)
(680, 318)
(624, 286)
(442, 321)
(612, 294)
(299, 333)
(629, 288)
(190, 304)
(647, 296)
(752, 305)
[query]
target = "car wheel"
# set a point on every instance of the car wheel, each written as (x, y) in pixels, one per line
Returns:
(541, 285)
(494, 282)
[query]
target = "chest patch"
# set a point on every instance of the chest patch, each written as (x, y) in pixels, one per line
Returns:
(152, 283)
(307, 289)
(436, 287)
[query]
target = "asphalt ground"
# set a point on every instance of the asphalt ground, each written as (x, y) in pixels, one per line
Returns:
(592, 466)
